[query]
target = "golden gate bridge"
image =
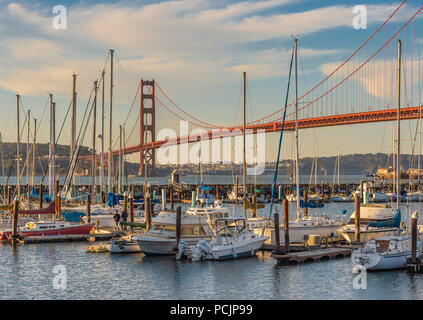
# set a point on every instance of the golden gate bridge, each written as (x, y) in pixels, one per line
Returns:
(361, 89)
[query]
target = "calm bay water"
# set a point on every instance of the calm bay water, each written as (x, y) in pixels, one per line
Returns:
(26, 272)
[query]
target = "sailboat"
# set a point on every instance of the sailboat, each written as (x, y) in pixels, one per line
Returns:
(377, 220)
(303, 225)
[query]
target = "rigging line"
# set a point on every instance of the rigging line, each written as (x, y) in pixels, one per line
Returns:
(78, 140)
(280, 138)
(340, 66)
(364, 63)
(192, 117)
(56, 140)
(74, 161)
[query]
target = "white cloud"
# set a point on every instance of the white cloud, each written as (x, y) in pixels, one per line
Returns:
(187, 41)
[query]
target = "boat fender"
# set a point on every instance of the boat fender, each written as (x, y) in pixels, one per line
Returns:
(120, 246)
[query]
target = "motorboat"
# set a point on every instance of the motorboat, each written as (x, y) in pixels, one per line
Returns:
(210, 213)
(378, 196)
(341, 198)
(48, 228)
(376, 220)
(160, 239)
(390, 252)
(123, 244)
(232, 239)
(301, 228)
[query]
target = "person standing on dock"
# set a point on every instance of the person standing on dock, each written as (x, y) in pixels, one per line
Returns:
(116, 217)
(124, 218)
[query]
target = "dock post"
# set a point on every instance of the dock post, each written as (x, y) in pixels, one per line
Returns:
(9, 195)
(178, 225)
(15, 221)
(361, 190)
(125, 202)
(357, 217)
(286, 223)
(193, 197)
(236, 194)
(305, 203)
(254, 206)
(57, 205)
(147, 211)
(171, 197)
(163, 199)
(41, 195)
(217, 192)
(131, 210)
(322, 191)
(280, 193)
(88, 208)
(414, 219)
(277, 232)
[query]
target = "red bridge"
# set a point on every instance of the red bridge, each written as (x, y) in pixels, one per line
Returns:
(362, 89)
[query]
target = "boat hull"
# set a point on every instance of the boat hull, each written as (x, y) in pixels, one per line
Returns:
(241, 249)
(365, 236)
(74, 230)
(296, 235)
(123, 247)
(152, 246)
(381, 262)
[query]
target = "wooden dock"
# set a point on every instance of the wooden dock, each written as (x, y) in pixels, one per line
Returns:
(312, 255)
(68, 238)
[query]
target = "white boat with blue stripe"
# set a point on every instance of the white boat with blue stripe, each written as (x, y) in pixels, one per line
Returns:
(232, 239)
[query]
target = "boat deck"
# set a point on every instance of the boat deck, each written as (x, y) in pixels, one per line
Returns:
(69, 238)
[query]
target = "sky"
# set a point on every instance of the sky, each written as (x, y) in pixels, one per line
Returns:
(196, 50)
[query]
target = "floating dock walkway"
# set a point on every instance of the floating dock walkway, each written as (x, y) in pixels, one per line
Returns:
(313, 255)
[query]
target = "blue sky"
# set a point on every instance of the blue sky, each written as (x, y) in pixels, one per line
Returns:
(195, 49)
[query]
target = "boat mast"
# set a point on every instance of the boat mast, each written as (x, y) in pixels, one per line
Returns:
(27, 147)
(243, 146)
(18, 161)
(110, 167)
(339, 160)
(33, 152)
(102, 138)
(93, 166)
(297, 175)
(53, 152)
(73, 123)
(2, 166)
(120, 159)
(315, 166)
(398, 129)
(125, 177)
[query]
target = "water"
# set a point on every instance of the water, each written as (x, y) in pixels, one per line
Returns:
(26, 272)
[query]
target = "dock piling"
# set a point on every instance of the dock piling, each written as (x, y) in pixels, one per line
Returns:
(357, 217)
(88, 208)
(15, 221)
(178, 225)
(277, 230)
(286, 223)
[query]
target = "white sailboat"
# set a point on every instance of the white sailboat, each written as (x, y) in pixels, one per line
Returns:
(384, 253)
(379, 220)
(304, 225)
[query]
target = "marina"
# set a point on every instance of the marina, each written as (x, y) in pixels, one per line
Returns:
(248, 159)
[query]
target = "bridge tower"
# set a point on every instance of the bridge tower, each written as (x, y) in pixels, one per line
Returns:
(147, 126)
